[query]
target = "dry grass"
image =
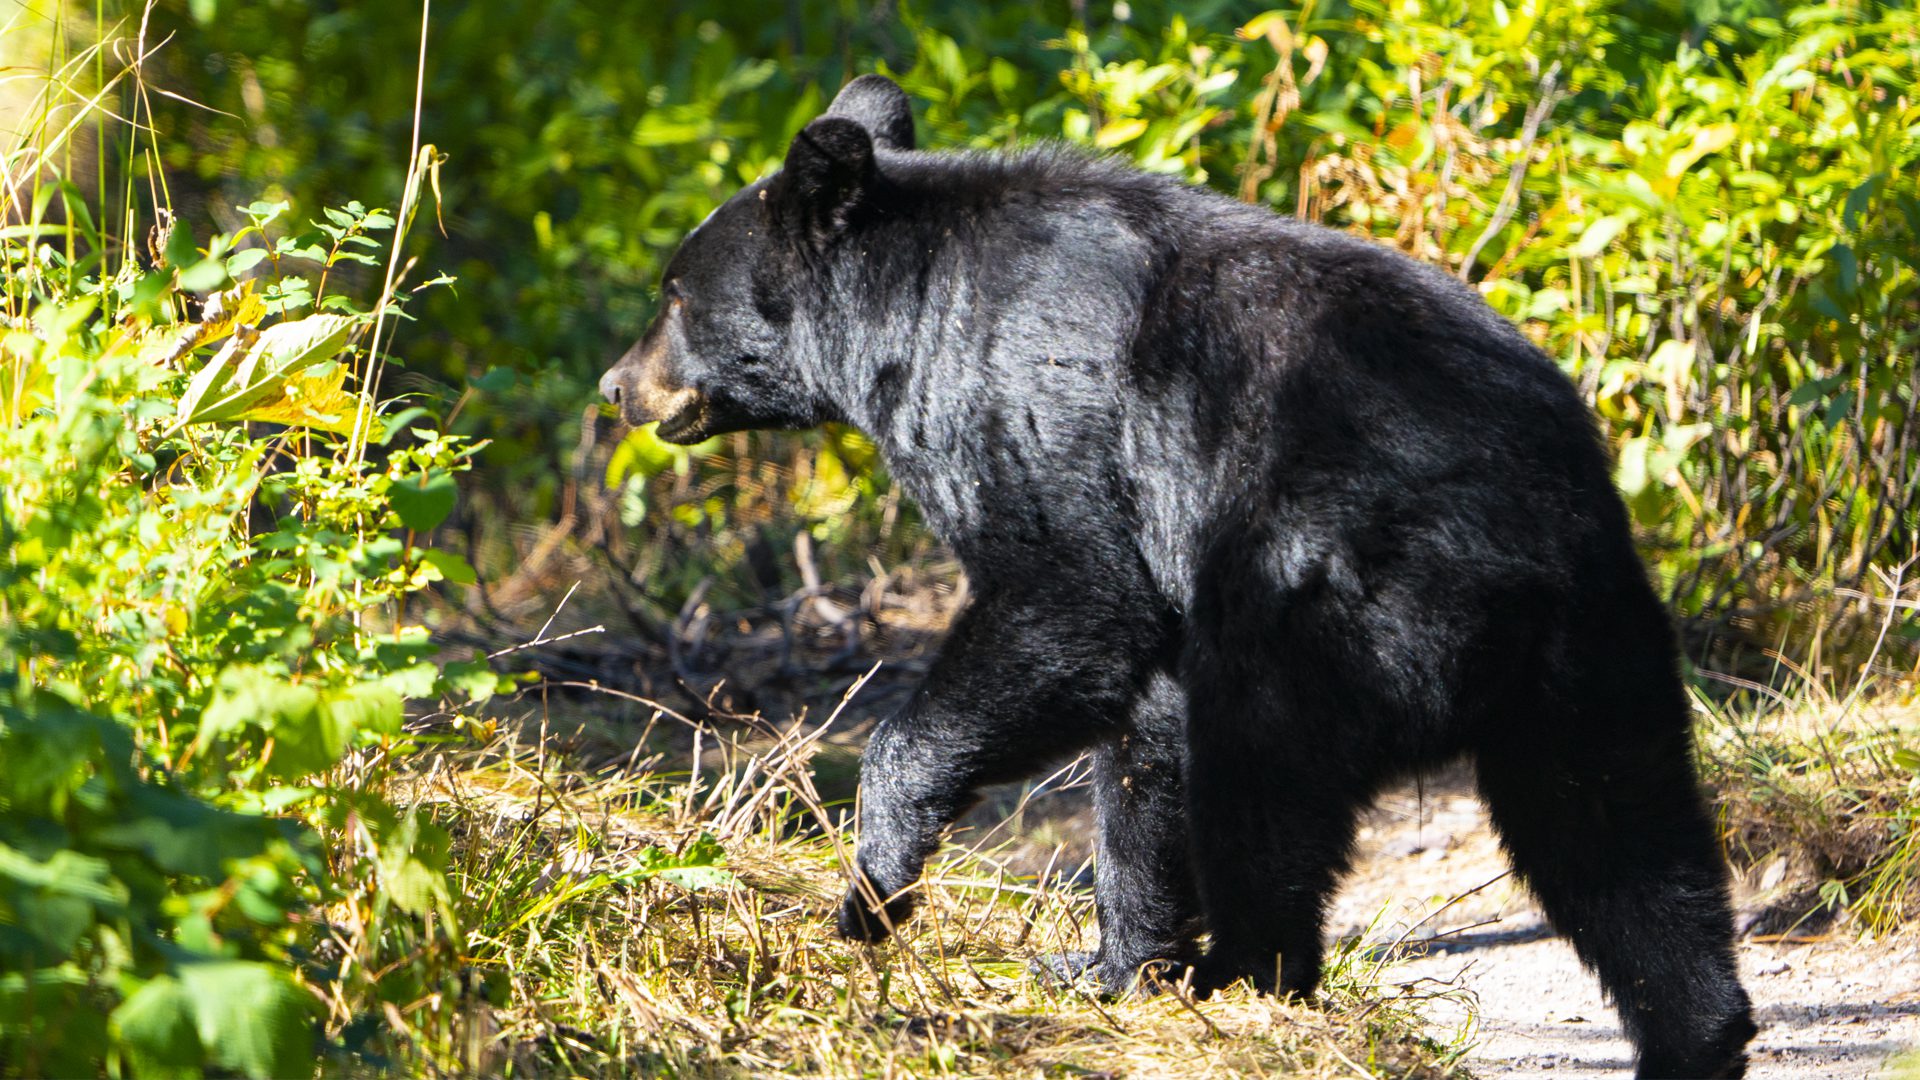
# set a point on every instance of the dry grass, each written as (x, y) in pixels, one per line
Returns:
(1820, 802)
(584, 964)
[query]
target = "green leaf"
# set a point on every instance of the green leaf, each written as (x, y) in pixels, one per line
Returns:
(155, 1030)
(244, 260)
(423, 501)
(252, 1018)
(413, 866)
(1860, 199)
(1849, 267)
(180, 249)
(695, 869)
(367, 707)
(262, 213)
(1599, 234)
(398, 422)
(183, 835)
(414, 681)
(249, 697)
(476, 678)
(52, 904)
(203, 276)
(496, 380)
(697, 878)
(451, 566)
(310, 730)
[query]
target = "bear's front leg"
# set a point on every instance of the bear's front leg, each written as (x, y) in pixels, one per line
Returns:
(1023, 679)
(1148, 904)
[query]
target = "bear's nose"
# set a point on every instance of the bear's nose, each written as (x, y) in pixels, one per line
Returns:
(610, 386)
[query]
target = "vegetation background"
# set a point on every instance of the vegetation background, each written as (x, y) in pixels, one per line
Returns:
(292, 485)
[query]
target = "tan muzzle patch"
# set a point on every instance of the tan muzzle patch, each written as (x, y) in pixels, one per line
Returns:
(641, 384)
(666, 404)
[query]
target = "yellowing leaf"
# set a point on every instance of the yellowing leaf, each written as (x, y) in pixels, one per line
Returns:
(239, 307)
(1271, 25)
(1706, 140)
(1119, 131)
(261, 367)
(315, 398)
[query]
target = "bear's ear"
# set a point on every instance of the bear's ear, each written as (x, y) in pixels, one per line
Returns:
(878, 104)
(828, 171)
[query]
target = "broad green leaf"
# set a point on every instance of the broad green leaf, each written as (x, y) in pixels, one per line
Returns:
(183, 835)
(155, 1029)
(413, 864)
(424, 500)
(249, 697)
(216, 373)
(451, 566)
(399, 422)
(476, 678)
(698, 878)
(413, 681)
(203, 276)
(181, 251)
(367, 707)
(696, 869)
(52, 903)
(252, 1018)
(244, 260)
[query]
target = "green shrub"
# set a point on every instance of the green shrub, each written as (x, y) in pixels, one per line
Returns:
(205, 652)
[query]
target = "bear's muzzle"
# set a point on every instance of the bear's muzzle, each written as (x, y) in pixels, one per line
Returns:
(640, 385)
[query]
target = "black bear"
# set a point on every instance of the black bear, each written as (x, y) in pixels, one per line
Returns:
(1262, 514)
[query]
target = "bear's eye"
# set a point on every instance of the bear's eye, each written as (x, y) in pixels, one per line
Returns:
(672, 292)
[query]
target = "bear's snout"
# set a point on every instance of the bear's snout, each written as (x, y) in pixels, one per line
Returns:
(644, 393)
(610, 386)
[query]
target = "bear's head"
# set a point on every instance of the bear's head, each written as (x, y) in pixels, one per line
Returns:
(722, 353)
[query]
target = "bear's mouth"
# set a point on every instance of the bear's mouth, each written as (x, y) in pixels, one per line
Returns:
(686, 424)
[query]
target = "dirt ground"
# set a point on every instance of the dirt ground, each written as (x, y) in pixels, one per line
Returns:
(1830, 1006)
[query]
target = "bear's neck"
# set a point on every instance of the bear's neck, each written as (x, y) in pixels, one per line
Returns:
(980, 358)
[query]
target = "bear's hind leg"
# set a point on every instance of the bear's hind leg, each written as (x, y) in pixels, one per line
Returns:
(1611, 835)
(1273, 822)
(1148, 908)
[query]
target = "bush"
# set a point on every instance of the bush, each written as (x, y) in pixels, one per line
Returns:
(210, 545)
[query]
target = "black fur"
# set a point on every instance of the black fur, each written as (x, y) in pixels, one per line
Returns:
(1265, 515)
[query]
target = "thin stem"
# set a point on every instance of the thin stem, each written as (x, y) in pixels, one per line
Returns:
(370, 385)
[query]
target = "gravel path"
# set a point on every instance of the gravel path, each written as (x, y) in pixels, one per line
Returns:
(1830, 1006)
